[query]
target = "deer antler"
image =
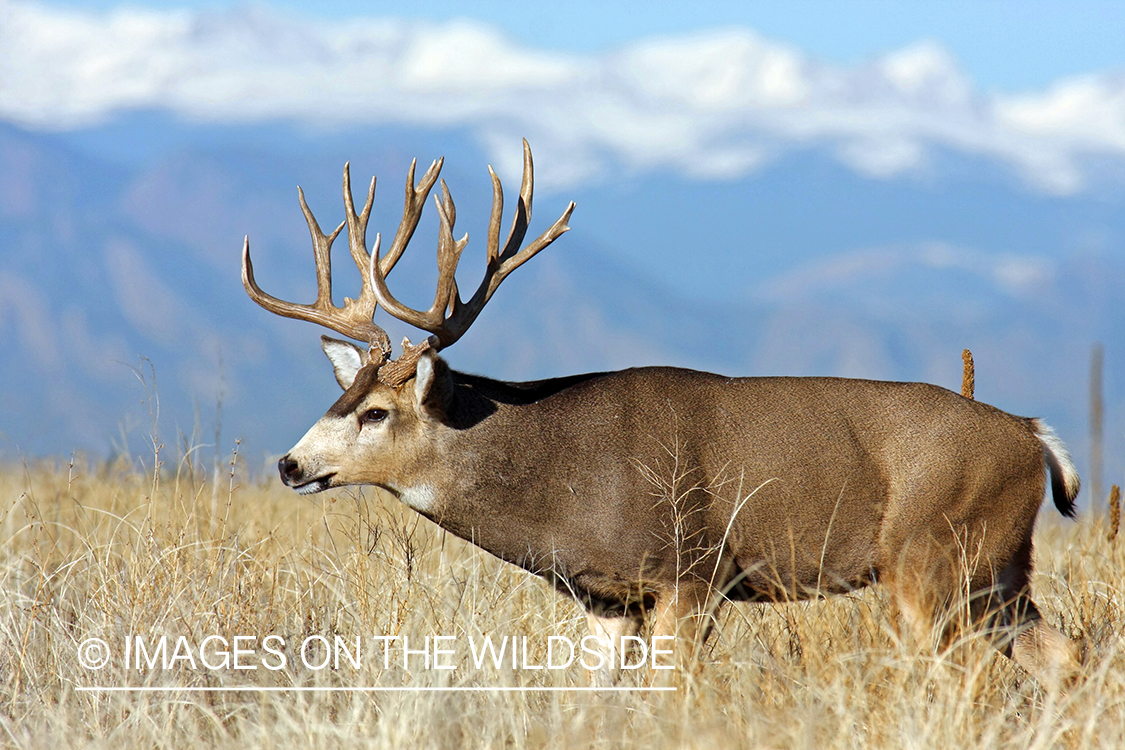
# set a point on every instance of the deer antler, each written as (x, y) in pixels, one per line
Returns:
(448, 318)
(354, 319)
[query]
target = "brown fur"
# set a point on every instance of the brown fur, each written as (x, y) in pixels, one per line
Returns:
(670, 491)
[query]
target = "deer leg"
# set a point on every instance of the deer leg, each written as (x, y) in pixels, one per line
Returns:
(608, 632)
(682, 614)
(918, 621)
(921, 585)
(1047, 654)
(1019, 631)
(930, 594)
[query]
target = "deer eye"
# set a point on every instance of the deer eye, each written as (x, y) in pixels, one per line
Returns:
(373, 416)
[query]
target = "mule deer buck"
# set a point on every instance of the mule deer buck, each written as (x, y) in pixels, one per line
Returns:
(668, 491)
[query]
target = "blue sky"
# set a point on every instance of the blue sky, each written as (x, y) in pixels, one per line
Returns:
(713, 91)
(960, 158)
(1004, 44)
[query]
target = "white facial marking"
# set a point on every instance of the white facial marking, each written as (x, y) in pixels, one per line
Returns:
(320, 450)
(330, 435)
(312, 487)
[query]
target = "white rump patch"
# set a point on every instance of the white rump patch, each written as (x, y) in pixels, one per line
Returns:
(1055, 446)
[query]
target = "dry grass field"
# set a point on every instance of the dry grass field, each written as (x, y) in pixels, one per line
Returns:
(111, 551)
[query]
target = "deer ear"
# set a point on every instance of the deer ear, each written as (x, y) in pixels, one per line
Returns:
(433, 387)
(346, 359)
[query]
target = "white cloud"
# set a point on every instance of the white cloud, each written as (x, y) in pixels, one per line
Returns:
(1088, 111)
(926, 71)
(715, 73)
(714, 105)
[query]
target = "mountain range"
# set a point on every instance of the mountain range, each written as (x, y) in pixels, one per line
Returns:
(121, 305)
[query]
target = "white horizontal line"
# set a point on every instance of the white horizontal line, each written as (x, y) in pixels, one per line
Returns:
(424, 689)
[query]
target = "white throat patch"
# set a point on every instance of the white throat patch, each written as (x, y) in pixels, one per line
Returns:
(422, 498)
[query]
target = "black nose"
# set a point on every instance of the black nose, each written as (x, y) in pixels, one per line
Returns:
(289, 469)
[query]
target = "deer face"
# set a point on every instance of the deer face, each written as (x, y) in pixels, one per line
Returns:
(384, 429)
(375, 434)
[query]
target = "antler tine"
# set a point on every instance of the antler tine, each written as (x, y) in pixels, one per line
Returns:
(448, 318)
(511, 259)
(449, 255)
(446, 204)
(322, 246)
(503, 263)
(495, 218)
(522, 218)
(446, 299)
(357, 238)
(322, 251)
(354, 318)
(411, 212)
(553, 232)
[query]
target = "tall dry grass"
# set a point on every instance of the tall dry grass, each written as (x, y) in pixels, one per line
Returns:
(110, 551)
